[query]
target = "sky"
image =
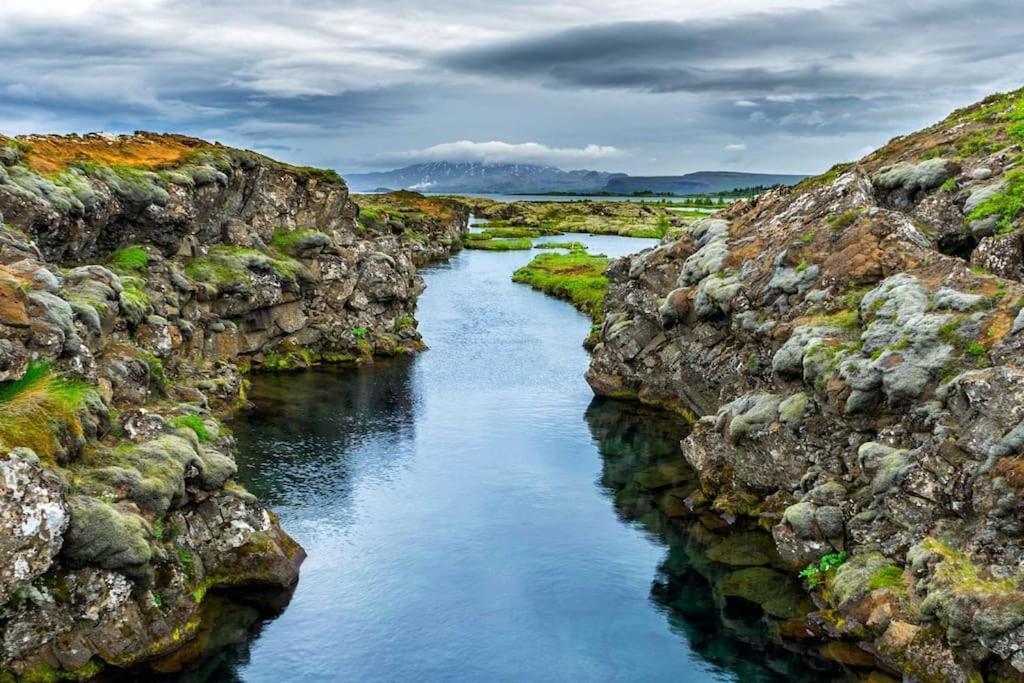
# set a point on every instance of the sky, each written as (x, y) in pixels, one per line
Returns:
(646, 87)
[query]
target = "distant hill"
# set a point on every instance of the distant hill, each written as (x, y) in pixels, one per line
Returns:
(701, 182)
(476, 177)
(444, 176)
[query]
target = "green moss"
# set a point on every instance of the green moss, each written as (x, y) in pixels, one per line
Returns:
(886, 577)
(576, 276)
(232, 267)
(195, 423)
(291, 242)
(844, 320)
(129, 260)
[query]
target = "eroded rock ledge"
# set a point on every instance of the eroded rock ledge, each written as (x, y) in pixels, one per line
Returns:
(849, 353)
(140, 276)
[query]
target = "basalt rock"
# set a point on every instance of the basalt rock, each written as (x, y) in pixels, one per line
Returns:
(140, 276)
(849, 352)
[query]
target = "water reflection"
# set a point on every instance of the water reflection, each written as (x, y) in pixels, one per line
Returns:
(643, 472)
(311, 426)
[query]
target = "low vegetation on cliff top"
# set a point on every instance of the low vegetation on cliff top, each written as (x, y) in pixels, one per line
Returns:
(626, 219)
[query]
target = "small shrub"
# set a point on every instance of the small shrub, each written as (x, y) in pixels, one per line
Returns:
(815, 573)
(359, 332)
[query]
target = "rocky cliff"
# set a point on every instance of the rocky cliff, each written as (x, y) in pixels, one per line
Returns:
(140, 276)
(849, 354)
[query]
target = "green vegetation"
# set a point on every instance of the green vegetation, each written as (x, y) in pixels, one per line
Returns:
(359, 332)
(577, 277)
(886, 577)
(500, 244)
(816, 573)
(232, 267)
(826, 178)
(291, 242)
(195, 423)
(661, 225)
(572, 246)
(129, 260)
(497, 231)
(841, 221)
(629, 219)
(37, 410)
(845, 320)
(1007, 205)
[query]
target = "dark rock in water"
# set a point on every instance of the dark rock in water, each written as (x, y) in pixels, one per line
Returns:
(132, 297)
(850, 361)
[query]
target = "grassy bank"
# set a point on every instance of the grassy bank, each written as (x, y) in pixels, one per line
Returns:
(577, 277)
(498, 244)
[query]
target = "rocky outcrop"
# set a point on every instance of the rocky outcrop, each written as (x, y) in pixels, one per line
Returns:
(140, 276)
(848, 353)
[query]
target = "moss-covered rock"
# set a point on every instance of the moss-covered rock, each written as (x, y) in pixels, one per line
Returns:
(104, 536)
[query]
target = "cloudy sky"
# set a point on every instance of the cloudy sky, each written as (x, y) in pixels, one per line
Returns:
(647, 87)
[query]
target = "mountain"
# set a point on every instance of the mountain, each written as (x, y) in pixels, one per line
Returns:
(446, 176)
(701, 182)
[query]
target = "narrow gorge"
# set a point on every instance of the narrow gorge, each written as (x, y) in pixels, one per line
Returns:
(808, 425)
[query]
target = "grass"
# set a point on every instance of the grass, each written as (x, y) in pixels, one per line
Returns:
(132, 259)
(513, 244)
(490, 232)
(577, 277)
(195, 423)
(38, 409)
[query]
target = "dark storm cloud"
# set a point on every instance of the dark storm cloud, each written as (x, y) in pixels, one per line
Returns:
(862, 46)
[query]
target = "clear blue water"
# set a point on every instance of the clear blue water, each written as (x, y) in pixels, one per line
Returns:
(464, 517)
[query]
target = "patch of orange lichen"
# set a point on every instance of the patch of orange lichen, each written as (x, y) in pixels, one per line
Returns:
(49, 154)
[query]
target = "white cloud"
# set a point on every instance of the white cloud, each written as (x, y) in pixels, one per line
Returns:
(736, 147)
(496, 152)
(745, 103)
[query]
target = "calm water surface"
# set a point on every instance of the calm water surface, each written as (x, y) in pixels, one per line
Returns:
(463, 516)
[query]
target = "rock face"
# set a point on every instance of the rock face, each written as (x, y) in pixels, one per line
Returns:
(140, 276)
(849, 353)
